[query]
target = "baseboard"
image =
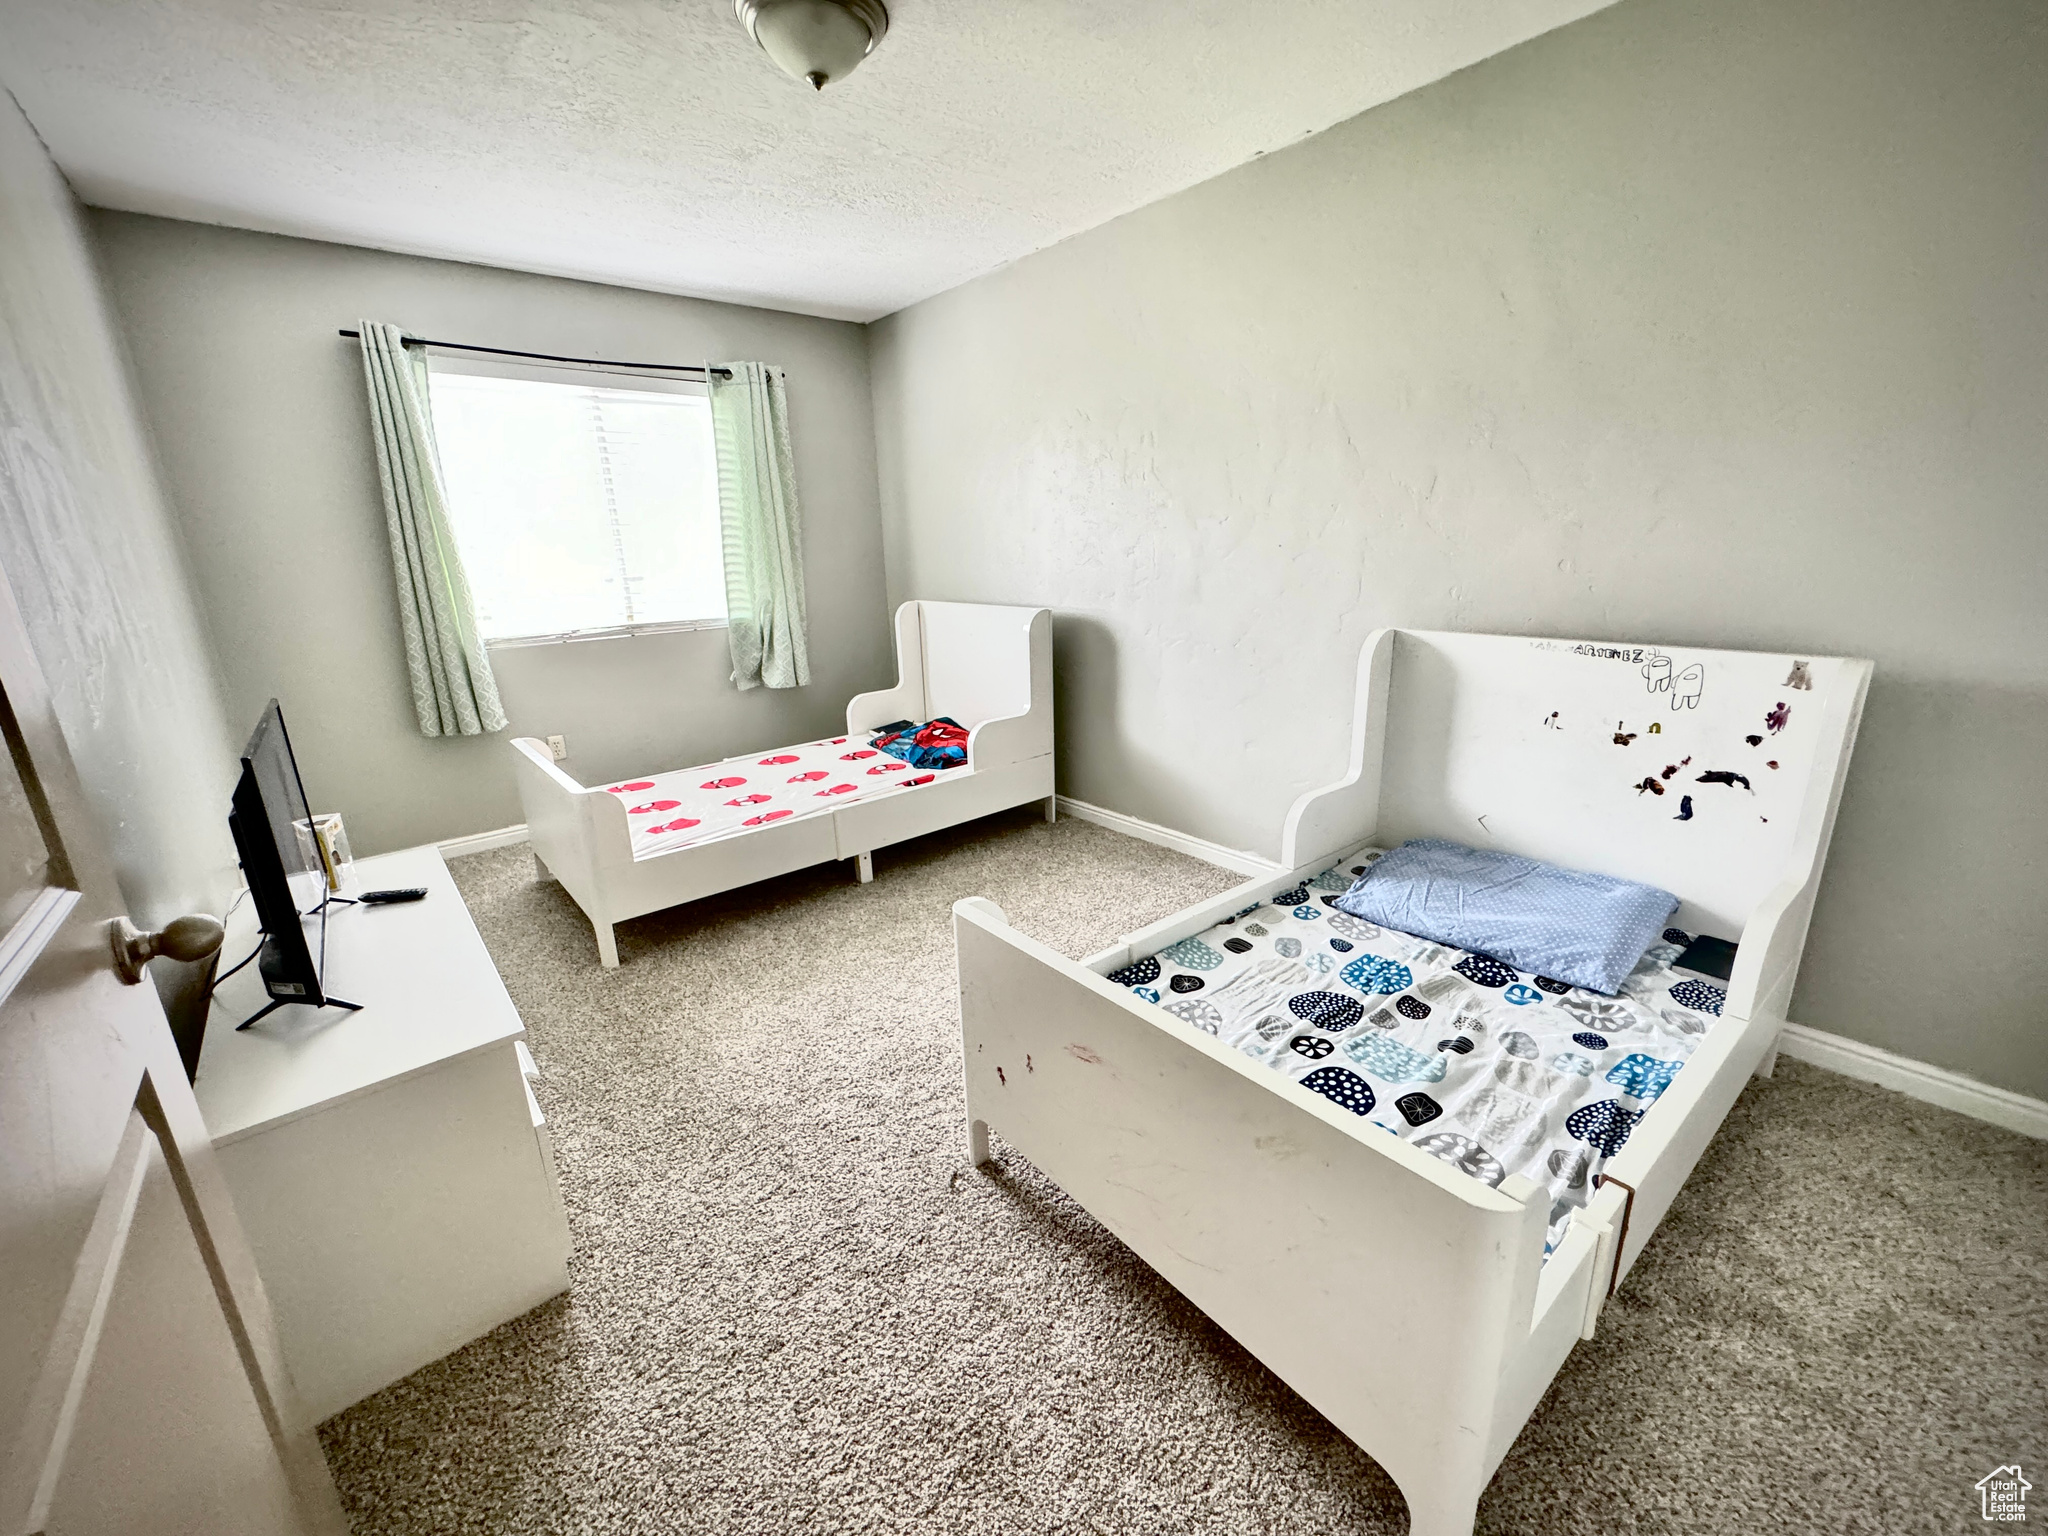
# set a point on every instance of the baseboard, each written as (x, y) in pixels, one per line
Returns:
(1165, 837)
(1916, 1079)
(483, 842)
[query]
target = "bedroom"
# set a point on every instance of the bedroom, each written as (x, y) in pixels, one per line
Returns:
(1230, 339)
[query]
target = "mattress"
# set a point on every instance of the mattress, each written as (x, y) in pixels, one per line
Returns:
(673, 810)
(1493, 1070)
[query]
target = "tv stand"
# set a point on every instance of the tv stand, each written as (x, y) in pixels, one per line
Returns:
(390, 1165)
(319, 910)
(296, 1002)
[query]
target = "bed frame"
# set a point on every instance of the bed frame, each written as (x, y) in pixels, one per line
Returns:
(990, 668)
(1243, 1188)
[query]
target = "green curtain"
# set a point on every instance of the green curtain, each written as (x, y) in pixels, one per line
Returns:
(757, 508)
(453, 691)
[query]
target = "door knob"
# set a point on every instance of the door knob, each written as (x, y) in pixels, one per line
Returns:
(192, 937)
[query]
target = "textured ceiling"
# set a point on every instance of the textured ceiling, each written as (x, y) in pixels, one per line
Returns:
(650, 143)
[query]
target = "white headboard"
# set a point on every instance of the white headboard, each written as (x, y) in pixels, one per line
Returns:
(987, 666)
(1592, 754)
(977, 660)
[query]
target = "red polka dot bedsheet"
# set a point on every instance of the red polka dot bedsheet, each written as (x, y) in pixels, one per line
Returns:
(673, 810)
(1493, 1070)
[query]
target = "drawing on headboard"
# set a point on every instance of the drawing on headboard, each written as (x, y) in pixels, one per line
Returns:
(1775, 719)
(1799, 677)
(1684, 687)
(1556, 738)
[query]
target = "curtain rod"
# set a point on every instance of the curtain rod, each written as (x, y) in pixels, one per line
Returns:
(553, 357)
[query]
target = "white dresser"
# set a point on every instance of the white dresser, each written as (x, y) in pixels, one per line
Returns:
(391, 1165)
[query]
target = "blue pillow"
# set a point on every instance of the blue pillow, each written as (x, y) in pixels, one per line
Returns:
(1586, 929)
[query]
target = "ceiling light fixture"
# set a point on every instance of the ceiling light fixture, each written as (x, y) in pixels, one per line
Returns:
(815, 40)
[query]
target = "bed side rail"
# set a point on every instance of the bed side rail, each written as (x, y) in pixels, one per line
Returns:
(1262, 1202)
(1642, 1180)
(1604, 1238)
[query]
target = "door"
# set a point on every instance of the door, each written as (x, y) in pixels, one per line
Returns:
(141, 1388)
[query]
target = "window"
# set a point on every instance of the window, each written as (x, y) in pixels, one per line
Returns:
(583, 504)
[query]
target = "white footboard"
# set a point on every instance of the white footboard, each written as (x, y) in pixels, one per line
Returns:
(1387, 1288)
(575, 832)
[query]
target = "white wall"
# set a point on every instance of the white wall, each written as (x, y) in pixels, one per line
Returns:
(264, 432)
(92, 554)
(1699, 322)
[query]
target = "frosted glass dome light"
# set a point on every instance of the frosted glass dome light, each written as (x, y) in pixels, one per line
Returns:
(815, 40)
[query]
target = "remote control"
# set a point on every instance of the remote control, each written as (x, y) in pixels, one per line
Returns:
(384, 898)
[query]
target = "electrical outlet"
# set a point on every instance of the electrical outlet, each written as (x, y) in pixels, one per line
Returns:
(559, 747)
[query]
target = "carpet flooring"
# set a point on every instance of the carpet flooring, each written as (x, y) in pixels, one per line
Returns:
(795, 1308)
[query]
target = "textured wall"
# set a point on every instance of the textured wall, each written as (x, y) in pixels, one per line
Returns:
(263, 429)
(1716, 324)
(94, 560)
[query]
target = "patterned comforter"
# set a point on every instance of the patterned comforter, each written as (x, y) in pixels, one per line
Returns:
(1493, 1070)
(692, 805)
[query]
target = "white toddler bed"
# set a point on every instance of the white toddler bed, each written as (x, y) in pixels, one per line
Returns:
(641, 845)
(1417, 1292)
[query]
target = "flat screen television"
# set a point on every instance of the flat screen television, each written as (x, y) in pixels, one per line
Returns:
(269, 803)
